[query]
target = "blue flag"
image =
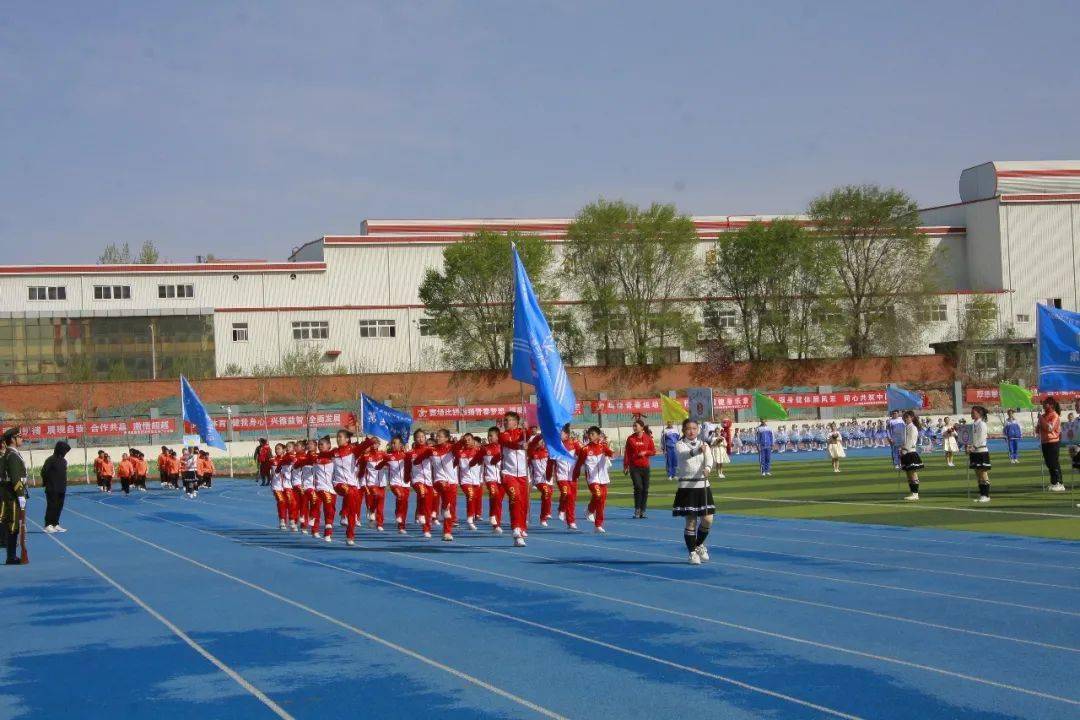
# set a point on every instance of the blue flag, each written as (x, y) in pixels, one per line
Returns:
(195, 413)
(901, 399)
(536, 361)
(383, 421)
(1058, 333)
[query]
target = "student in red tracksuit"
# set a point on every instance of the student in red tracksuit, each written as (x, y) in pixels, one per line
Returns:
(300, 465)
(285, 469)
(444, 466)
(279, 485)
(358, 449)
(513, 441)
(561, 471)
(419, 468)
(395, 465)
(323, 487)
(264, 461)
(470, 478)
(491, 463)
(374, 481)
(539, 476)
(595, 459)
(346, 483)
(636, 458)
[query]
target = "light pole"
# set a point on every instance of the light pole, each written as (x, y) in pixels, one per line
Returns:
(153, 354)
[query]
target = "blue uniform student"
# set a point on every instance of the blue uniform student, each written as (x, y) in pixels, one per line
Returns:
(765, 445)
(895, 427)
(671, 459)
(1012, 437)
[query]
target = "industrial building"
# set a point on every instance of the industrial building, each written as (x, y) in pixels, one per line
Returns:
(1015, 234)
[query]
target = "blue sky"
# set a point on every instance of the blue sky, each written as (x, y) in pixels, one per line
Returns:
(245, 129)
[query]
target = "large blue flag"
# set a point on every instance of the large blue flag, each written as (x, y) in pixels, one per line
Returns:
(536, 361)
(1058, 332)
(383, 421)
(195, 413)
(901, 399)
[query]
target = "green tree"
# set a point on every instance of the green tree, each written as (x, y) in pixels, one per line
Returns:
(635, 270)
(977, 330)
(470, 300)
(883, 266)
(148, 254)
(114, 254)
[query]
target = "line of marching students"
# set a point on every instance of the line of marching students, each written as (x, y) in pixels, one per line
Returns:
(308, 477)
(193, 467)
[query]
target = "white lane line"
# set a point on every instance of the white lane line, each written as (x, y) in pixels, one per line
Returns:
(792, 573)
(898, 505)
(213, 659)
(523, 621)
(645, 606)
(345, 626)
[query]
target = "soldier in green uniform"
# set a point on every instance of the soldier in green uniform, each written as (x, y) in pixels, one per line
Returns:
(13, 493)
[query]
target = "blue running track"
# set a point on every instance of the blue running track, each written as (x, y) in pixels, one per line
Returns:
(154, 606)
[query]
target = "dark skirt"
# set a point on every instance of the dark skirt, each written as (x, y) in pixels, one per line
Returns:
(910, 461)
(693, 501)
(979, 461)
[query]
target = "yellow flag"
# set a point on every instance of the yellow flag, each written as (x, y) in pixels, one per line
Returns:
(672, 411)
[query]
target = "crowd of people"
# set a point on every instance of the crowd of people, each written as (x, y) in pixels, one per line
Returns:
(192, 466)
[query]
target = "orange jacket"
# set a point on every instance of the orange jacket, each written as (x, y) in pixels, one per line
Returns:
(106, 468)
(1050, 427)
(204, 466)
(125, 469)
(141, 466)
(163, 462)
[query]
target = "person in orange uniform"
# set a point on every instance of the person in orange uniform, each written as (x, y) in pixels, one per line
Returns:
(125, 470)
(204, 469)
(107, 472)
(142, 468)
(99, 461)
(1049, 429)
(636, 458)
(163, 466)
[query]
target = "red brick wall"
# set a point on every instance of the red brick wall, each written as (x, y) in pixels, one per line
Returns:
(438, 388)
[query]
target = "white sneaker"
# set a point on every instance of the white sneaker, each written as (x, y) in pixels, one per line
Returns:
(343, 522)
(471, 524)
(591, 517)
(328, 538)
(402, 531)
(498, 530)
(897, 467)
(519, 542)
(572, 526)
(49, 529)
(350, 541)
(600, 529)
(982, 499)
(721, 476)
(695, 559)
(702, 552)
(524, 533)
(427, 534)
(517, 533)
(447, 537)
(543, 523)
(379, 529)
(57, 528)
(912, 496)
(494, 521)
(195, 494)
(1057, 487)
(281, 525)
(562, 516)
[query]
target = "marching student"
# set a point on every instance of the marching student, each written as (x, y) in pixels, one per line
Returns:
(539, 461)
(395, 465)
(949, 444)
(172, 470)
(513, 471)
(595, 459)
(835, 447)
(561, 470)
(636, 458)
(264, 461)
(420, 472)
(125, 470)
(346, 481)
(322, 489)
(358, 449)
(910, 461)
(668, 438)
(491, 463)
(279, 486)
(445, 480)
(979, 452)
(189, 462)
(1013, 433)
(1049, 428)
(205, 469)
(163, 466)
(470, 478)
(138, 460)
(373, 468)
(307, 482)
(292, 489)
(765, 446)
(296, 479)
(99, 471)
(693, 500)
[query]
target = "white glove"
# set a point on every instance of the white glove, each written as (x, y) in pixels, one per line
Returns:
(22, 503)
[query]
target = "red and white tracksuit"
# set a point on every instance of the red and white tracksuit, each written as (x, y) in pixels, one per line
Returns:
(470, 477)
(514, 469)
(374, 482)
(296, 479)
(358, 450)
(279, 485)
(322, 492)
(491, 474)
(347, 486)
(538, 477)
(561, 471)
(397, 477)
(421, 474)
(444, 465)
(595, 460)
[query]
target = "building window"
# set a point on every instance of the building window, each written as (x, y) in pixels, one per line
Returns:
(378, 328)
(179, 291)
(311, 330)
(984, 312)
(52, 292)
(984, 361)
(239, 332)
(426, 326)
(112, 292)
(1023, 318)
(611, 357)
(938, 312)
(719, 317)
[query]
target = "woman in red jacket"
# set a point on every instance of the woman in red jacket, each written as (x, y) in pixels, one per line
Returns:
(636, 457)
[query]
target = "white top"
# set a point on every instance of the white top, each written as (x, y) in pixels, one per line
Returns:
(911, 438)
(695, 463)
(978, 436)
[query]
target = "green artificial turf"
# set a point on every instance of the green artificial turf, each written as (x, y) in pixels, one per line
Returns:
(870, 491)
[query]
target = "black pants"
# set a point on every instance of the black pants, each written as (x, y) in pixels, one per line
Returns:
(54, 505)
(9, 539)
(1052, 457)
(125, 485)
(640, 477)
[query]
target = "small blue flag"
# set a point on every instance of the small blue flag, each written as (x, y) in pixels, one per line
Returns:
(536, 361)
(901, 399)
(195, 413)
(383, 421)
(1058, 333)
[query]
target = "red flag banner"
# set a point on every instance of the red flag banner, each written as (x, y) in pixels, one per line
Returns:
(992, 395)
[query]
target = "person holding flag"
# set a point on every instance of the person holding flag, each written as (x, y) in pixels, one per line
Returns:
(1049, 429)
(694, 499)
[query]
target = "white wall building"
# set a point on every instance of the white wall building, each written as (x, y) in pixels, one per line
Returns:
(1015, 235)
